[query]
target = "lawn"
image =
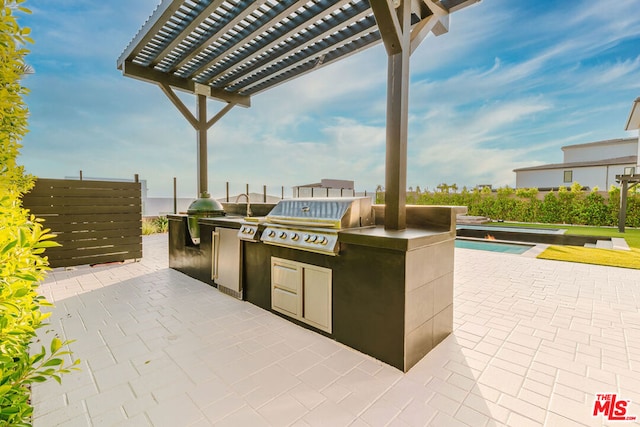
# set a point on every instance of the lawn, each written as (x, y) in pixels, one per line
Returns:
(614, 258)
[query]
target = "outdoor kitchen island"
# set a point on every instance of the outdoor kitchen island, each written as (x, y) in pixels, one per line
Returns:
(385, 293)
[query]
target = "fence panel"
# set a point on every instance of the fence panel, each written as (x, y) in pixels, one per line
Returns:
(95, 221)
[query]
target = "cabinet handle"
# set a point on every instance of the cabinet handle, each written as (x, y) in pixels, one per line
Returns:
(215, 254)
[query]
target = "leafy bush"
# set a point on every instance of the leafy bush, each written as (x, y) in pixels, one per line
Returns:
(566, 206)
(155, 225)
(148, 226)
(162, 224)
(23, 240)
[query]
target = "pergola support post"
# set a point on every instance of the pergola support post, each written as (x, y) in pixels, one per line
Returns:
(624, 181)
(622, 215)
(201, 124)
(400, 41)
(396, 151)
(201, 130)
(395, 27)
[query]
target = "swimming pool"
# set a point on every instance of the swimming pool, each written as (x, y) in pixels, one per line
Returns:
(513, 229)
(516, 234)
(483, 245)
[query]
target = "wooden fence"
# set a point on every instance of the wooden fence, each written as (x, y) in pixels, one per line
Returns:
(95, 221)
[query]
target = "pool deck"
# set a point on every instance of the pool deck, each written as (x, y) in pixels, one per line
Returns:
(534, 341)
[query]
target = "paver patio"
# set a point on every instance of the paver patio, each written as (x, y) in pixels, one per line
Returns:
(534, 342)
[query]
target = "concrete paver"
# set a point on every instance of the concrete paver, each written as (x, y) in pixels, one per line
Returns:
(534, 342)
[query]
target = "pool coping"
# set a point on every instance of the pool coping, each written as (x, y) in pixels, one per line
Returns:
(535, 250)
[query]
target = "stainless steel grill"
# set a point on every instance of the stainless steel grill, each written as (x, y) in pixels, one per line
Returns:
(313, 224)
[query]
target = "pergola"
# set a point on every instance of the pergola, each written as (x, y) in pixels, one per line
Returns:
(631, 176)
(230, 50)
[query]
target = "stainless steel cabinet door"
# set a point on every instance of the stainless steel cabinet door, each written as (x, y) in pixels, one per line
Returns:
(226, 258)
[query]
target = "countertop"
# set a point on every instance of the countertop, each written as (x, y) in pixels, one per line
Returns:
(399, 240)
(376, 236)
(223, 221)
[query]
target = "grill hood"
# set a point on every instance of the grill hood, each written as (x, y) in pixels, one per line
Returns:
(336, 213)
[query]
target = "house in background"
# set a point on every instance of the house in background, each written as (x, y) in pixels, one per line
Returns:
(594, 164)
(326, 188)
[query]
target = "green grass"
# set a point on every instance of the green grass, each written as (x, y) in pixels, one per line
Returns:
(609, 257)
(625, 259)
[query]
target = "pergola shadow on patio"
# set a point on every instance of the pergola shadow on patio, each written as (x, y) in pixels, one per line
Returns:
(534, 342)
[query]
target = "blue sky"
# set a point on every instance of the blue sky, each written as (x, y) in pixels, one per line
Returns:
(506, 87)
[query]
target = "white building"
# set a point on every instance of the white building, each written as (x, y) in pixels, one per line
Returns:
(325, 188)
(594, 164)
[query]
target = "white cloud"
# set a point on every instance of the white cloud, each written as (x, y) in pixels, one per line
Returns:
(507, 87)
(621, 73)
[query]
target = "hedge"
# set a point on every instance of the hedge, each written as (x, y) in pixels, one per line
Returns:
(23, 241)
(565, 206)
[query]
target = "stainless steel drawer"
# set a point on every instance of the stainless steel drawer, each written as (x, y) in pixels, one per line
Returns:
(285, 301)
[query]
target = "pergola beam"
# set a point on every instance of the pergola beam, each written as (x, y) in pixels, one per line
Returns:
(229, 25)
(179, 105)
(151, 75)
(231, 50)
(148, 31)
(388, 24)
(363, 43)
(438, 23)
(201, 124)
(286, 12)
(294, 64)
(202, 16)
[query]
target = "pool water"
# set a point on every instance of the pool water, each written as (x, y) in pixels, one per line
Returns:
(513, 229)
(510, 248)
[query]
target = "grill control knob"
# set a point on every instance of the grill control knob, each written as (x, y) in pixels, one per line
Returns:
(294, 237)
(250, 230)
(322, 240)
(272, 233)
(307, 237)
(283, 235)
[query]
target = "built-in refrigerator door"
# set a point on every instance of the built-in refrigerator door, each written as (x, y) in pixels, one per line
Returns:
(225, 266)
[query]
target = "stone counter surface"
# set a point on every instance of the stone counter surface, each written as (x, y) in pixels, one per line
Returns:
(404, 240)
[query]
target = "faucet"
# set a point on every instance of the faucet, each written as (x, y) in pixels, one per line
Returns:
(248, 202)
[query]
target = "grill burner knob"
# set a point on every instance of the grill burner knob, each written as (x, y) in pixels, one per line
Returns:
(283, 235)
(294, 237)
(322, 240)
(272, 233)
(307, 237)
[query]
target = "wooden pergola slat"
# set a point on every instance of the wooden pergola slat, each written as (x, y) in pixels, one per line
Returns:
(230, 50)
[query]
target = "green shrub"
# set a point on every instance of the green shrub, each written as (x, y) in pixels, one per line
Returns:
(148, 226)
(155, 225)
(23, 241)
(566, 206)
(162, 224)
(595, 211)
